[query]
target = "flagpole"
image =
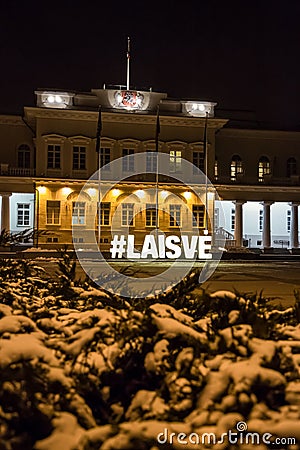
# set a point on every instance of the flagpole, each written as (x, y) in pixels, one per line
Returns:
(206, 173)
(157, 132)
(98, 143)
(128, 64)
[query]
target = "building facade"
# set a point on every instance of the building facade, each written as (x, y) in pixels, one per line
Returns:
(47, 155)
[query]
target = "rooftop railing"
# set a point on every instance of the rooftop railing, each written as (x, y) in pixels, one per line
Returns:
(6, 170)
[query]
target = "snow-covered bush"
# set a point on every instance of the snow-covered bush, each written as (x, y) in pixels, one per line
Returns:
(84, 369)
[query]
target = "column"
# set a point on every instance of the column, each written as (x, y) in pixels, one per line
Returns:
(238, 223)
(266, 235)
(294, 225)
(5, 212)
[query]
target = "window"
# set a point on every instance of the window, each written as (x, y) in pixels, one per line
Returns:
(198, 216)
(232, 219)
(291, 167)
(104, 157)
(24, 156)
(54, 239)
(78, 213)
(264, 168)
(151, 161)
(150, 215)
(175, 160)
(175, 215)
(288, 221)
(53, 156)
(79, 158)
(236, 167)
(104, 213)
(261, 220)
(128, 160)
(198, 161)
(53, 212)
(127, 214)
(78, 240)
(23, 214)
(217, 218)
(216, 169)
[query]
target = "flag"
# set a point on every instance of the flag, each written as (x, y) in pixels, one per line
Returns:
(157, 131)
(128, 48)
(99, 129)
(205, 140)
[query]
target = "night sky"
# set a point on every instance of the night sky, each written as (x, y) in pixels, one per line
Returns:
(243, 55)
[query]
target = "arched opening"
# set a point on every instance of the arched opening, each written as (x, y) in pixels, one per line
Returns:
(236, 167)
(291, 167)
(264, 168)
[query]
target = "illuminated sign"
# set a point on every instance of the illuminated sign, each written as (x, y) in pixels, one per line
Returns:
(129, 100)
(198, 108)
(170, 247)
(54, 99)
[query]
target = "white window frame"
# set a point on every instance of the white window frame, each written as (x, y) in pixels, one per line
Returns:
(127, 219)
(131, 146)
(78, 213)
(23, 214)
(175, 216)
(151, 161)
(128, 159)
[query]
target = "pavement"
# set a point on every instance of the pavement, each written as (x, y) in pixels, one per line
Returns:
(278, 280)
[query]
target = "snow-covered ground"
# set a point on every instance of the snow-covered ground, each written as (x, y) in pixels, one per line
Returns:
(84, 369)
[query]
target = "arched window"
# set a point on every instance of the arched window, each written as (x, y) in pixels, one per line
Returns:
(24, 156)
(291, 167)
(264, 168)
(236, 167)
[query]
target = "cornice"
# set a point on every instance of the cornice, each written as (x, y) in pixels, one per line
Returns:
(7, 179)
(261, 134)
(11, 120)
(220, 188)
(125, 118)
(114, 183)
(257, 188)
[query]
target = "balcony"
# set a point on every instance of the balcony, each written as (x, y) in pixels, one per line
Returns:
(268, 180)
(6, 170)
(224, 238)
